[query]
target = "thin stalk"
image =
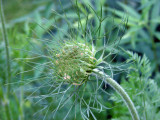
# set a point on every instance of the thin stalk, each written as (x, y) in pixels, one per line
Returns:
(122, 93)
(4, 102)
(7, 109)
(21, 115)
(8, 73)
(5, 38)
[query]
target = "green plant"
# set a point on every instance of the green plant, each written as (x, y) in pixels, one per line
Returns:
(64, 56)
(146, 91)
(74, 72)
(5, 97)
(76, 62)
(143, 25)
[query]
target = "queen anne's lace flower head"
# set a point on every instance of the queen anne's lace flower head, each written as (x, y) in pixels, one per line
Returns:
(73, 63)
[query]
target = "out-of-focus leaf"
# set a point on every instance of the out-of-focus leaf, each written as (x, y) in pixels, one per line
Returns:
(24, 17)
(146, 10)
(156, 20)
(157, 34)
(145, 4)
(129, 23)
(130, 32)
(130, 10)
(154, 13)
(123, 14)
(144, 35)
(48, 10)
(83, 21)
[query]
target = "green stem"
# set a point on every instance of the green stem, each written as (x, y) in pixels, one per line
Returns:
(7, 109)
(4, 33)
(21, 115)
(8, 73)
(122, 93)
(4, 101)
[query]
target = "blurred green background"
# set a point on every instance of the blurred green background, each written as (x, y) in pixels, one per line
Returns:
(27, 25)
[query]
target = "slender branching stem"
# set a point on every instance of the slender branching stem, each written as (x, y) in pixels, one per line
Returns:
(121, 92)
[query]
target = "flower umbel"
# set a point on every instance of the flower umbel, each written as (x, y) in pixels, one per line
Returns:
(72, 64)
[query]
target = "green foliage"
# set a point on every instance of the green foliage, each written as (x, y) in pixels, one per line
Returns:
(143, 90)
(143, 23)
(34, 31)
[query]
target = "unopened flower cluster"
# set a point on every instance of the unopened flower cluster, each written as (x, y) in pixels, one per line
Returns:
(74, 63)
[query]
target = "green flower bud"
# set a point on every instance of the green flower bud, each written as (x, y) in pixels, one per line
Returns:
(74, 63)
